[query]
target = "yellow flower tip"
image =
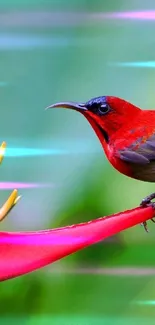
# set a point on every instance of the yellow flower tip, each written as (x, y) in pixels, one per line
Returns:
(14, 193)
(9, 204)
(3, 145)
(17, 199)
(2, 150)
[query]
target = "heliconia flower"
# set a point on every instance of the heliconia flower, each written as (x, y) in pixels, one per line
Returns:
(2, 150)
(9, 204)
(23, 252)
(13, 198)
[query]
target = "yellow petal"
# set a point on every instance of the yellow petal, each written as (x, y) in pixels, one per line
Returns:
(17, 199)
(2, 150)
(9, 204)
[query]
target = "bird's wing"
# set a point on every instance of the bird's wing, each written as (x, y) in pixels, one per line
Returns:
(140, 152)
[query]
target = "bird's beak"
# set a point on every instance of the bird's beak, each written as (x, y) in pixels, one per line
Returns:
(71, 105)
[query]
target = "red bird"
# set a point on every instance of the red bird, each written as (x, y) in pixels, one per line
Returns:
(127, 135)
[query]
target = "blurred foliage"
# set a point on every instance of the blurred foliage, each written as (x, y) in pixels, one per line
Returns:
(43, 61)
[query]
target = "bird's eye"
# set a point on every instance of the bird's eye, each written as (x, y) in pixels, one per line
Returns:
(104, 109)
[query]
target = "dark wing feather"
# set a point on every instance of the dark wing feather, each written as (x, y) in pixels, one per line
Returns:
(140, 153)
(133, 157)
(141, 157)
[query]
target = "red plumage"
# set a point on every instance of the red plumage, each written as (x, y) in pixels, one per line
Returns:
(126, 132)
(131, 132)
(127, 135)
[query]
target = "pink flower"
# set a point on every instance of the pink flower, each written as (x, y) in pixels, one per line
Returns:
(23, 252)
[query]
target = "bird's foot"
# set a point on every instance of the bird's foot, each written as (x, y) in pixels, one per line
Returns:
(147, 201)
(144, 224)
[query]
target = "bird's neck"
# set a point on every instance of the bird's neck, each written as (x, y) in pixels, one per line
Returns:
(102, 133)
(111, 124)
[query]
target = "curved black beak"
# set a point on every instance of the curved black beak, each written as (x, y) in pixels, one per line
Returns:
(70, 105)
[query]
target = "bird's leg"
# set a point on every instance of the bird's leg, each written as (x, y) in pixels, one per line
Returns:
(147, 202)
(144, 224)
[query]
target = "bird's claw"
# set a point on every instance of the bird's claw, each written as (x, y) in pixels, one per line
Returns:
(147, 201)
(144, 224)
(13, 198)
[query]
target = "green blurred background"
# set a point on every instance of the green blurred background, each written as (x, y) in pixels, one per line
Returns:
(60, 50)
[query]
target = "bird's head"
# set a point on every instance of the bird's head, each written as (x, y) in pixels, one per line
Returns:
(106, 114)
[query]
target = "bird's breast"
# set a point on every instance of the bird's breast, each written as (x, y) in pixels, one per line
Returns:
(141, 172)
(116, 162)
